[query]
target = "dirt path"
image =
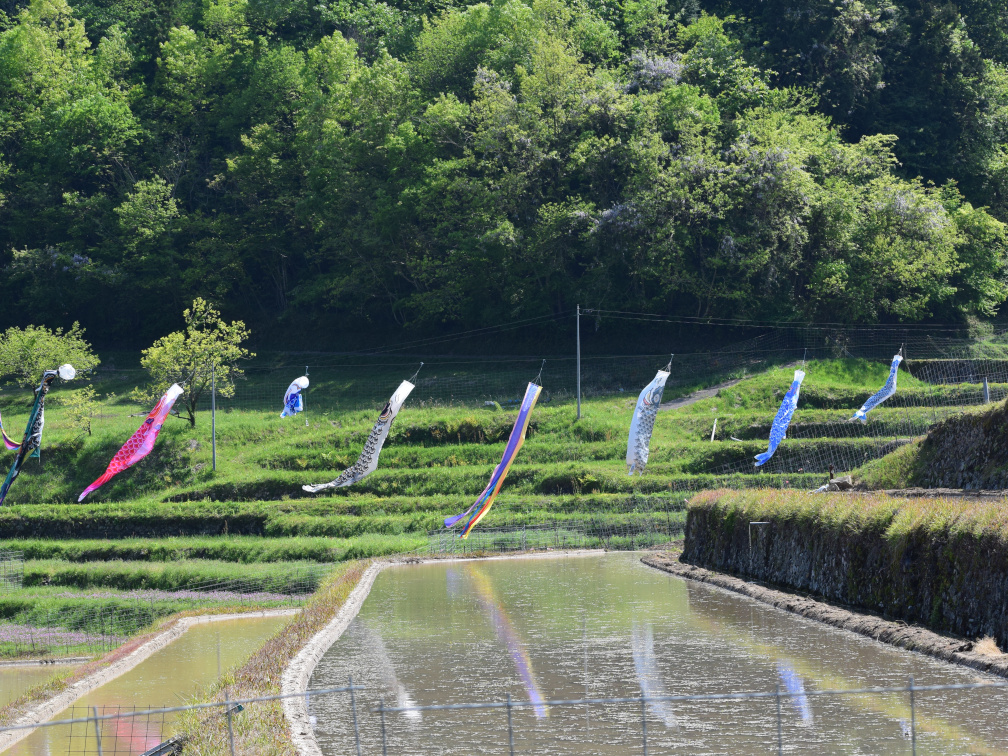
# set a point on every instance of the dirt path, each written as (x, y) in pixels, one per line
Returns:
(696, 396)
(899, 634)
(46, 710)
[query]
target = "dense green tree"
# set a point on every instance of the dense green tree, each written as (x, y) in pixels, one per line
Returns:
(369, 166)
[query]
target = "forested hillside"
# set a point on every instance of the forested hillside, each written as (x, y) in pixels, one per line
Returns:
(372, 168)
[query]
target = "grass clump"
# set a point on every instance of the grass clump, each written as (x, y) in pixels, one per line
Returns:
(987, 646)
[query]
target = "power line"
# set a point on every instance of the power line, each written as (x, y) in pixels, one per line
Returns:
(698, 320)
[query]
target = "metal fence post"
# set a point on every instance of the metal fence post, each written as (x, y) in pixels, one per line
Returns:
(227, 708)
(353, 708)
(381, 710)
(913, 723)
(643, 723)
(97, 729)
(780, 733)
(510, 730)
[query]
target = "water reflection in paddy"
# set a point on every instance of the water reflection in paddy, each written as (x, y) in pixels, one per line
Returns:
(607, 626)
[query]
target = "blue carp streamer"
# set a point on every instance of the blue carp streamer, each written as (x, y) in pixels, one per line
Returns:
(293, 401)
(882, 394)
(778, 431)
(793, 684)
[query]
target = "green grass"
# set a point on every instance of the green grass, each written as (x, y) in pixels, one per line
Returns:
(896, 518)
(895, 470)
(435, 462)
(171, 521)
(237, 549)
(173, 576)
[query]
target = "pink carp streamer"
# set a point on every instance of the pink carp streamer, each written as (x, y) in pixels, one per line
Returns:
(141, 443)
(486, 499)
(506, 633)
(7, 440)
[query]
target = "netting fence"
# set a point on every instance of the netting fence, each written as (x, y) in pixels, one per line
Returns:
(11, 569)
(944, 373)
(637, 720)
(68, 622)
(653, 526)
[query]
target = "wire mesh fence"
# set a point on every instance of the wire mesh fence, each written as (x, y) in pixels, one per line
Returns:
(11, 569)
(949, 373)
(116, 730)
(150, 732)
(340, 382)
(652, 528)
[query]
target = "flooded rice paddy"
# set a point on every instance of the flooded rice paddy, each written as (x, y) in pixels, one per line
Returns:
(607, 626)
(167, 678)
(15, 679)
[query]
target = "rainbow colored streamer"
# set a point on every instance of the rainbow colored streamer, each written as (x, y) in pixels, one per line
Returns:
(10, 443)
(486, 499)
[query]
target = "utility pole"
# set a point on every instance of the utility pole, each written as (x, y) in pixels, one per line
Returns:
(579, 362)
(213, 413)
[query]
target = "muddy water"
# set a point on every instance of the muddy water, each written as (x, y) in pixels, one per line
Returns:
(607, 626)
(168, 678)
(16, 679)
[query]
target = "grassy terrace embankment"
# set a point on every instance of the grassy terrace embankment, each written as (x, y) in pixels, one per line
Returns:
(969, 450)
(171, 523)
(434, 462)
(938, 562)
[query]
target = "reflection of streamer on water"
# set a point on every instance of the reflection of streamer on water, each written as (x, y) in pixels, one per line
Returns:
(648, 674)
(135, 733)
(793, 684)
(507, 634)
(453, 581)
(388, 676)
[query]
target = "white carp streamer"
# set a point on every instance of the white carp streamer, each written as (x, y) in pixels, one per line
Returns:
(367, 463)
(639, 442)
(648, 675)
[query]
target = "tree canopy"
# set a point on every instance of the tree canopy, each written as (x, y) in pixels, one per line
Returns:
(369, 166)
(204, 354)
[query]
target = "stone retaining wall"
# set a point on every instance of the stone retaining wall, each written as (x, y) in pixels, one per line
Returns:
(950, 583)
